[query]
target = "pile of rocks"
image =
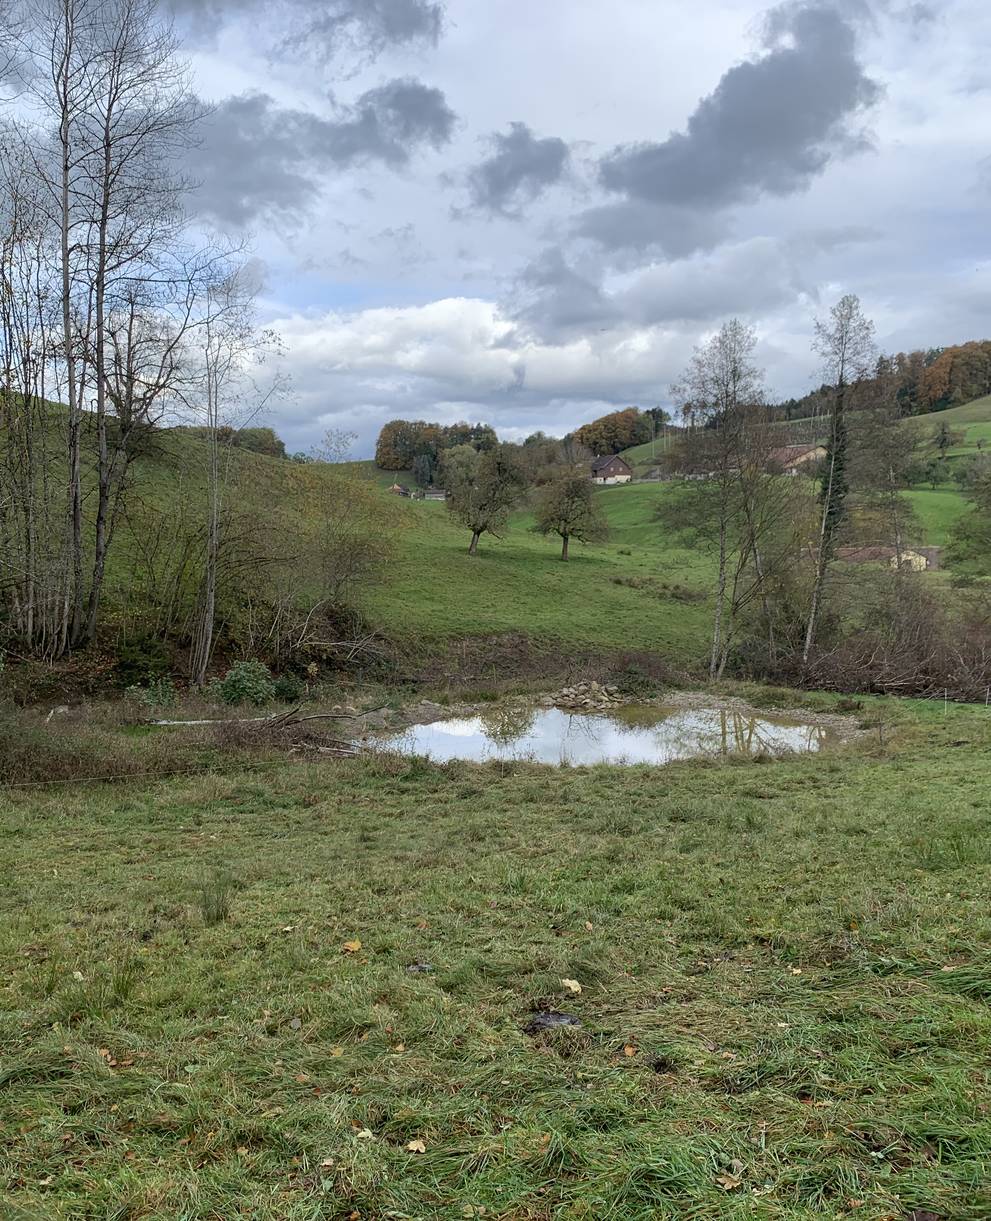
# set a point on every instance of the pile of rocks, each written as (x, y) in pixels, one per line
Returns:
(585, 697)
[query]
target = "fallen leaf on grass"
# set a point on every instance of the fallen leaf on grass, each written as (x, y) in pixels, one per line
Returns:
(589, 926)
(365, 1134)
(731, 1179)
(327, 1163)
(416, 1146)
(572, 985)
(629, 1050)
(351, 947)
(337, 1052)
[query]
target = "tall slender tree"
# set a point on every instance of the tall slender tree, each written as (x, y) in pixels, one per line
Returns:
(845, 342)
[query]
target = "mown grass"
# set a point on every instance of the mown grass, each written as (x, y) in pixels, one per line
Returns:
(784, 966)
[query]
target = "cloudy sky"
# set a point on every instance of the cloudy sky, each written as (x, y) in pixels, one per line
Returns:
(528, 213)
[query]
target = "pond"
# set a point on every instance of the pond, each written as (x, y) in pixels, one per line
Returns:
(626, 735)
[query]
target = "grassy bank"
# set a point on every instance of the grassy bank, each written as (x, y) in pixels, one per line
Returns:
(208, 1008)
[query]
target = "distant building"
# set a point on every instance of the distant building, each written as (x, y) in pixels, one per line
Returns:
(793, 459)
(913, 559)
(611, 469)
(399, 489)
(434, 494)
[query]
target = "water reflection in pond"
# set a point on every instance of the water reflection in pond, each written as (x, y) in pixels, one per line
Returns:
(630, 735)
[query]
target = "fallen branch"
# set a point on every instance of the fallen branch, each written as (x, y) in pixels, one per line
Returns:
(281, 719)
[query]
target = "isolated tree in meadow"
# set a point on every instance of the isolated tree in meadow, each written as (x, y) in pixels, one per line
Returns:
(482, 489)
(845, 342)
(568, 507)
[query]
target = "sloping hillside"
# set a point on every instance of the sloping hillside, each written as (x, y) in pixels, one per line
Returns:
(639, 590)
(973, 420)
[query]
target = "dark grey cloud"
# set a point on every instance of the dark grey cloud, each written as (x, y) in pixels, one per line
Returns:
(635, 225)
(258, 158)
(520, 168)
(555, 300)
(770, 126)
(322, 27)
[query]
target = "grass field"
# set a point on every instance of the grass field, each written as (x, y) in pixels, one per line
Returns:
(208, 1009)
(435, 591)
(938, 510)
(973, 419)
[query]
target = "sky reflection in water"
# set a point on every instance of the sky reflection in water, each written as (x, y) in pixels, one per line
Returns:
(646, 735)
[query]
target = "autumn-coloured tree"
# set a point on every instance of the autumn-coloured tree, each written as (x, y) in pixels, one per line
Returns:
(957, 375)
(401, 442)
(616, 431)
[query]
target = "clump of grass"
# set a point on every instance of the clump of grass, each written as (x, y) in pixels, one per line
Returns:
(214, 891)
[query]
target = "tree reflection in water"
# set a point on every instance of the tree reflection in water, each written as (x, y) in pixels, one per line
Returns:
(631, 735)
(506, 725)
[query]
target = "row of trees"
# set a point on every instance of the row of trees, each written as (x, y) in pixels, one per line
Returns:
(112, 316)
(760, 526)
(619, 430)
(484, 488)
(784, 604)
(920, 381)
(417, 446)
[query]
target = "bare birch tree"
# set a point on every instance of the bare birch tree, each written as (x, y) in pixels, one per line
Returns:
(726, 452)
(225, 393)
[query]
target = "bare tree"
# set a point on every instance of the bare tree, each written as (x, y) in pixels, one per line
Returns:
(846, 344)
(139, 115)
(106, 112)
(726, 450)
(335, 445)
(223, 395)
(32, 514)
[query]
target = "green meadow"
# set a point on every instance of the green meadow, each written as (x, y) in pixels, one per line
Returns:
(297, 991)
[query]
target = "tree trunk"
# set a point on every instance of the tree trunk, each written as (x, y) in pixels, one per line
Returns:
(73, 612)
(103, 468)
(203, 636)
(823, 552)
(473, 546)
(717, 624)
(564, 547)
